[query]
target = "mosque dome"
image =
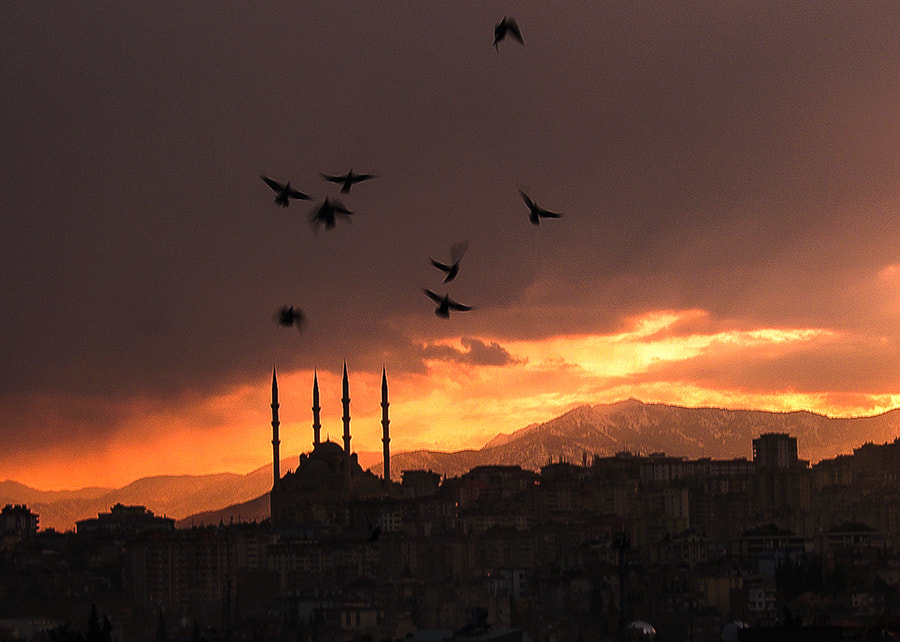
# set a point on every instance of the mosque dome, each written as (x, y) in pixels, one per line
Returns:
(327, 451)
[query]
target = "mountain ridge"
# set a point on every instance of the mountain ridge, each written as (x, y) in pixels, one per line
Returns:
(581, 432)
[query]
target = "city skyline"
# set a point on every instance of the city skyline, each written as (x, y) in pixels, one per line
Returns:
(728, 175)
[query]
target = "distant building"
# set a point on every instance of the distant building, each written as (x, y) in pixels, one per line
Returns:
(180, 568)
(769, 541)
(124, 520)
(419, 483)
(18, 520)
(775, 450)
(494, 483)
(874, 465)
(659, 469)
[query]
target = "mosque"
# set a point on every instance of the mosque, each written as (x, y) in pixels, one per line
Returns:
(328, 481)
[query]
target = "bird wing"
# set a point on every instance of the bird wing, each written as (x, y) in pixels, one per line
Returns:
(275, 185)
(527, 200)
(321, 215)
(437, 298)
(458, 250)
(294, 193)
(362, 177)
(340, 208)
(549, 214)
(333, 178)
(513, 28)
(440, 266)
(458, 306)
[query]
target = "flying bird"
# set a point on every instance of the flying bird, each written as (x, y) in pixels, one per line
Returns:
(445, 304)
(326, 214)
(507, 26)
(284, 192)
(347, 180)
(537, 212)
(288, 317)
(457, 250)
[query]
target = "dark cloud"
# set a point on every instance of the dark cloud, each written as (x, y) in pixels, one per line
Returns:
(475, 353)
(734, 158)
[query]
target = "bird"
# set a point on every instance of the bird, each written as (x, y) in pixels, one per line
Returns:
(288, 317)
(326, 214)
(507, 26)
(347, 180)
(445, 304)
(537, 212)
(457, 250)
(284, 192)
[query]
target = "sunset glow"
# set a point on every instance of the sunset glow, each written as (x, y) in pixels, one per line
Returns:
(452, 406)
(728, 179)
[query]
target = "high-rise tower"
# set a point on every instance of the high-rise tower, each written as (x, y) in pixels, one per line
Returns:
(385, 422)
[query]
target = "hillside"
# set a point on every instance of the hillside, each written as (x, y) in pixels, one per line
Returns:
(601, 430)
(644, 428)
(176, 496)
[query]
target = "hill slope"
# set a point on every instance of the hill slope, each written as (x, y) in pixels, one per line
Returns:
(593, 430)
(632, 425)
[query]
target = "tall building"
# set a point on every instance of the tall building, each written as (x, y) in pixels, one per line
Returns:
(782, 481)
(18, 520)
(775, 450)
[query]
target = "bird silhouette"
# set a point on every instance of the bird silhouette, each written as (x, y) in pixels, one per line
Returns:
(507, 26)
(445, 304)
(537, 212)
(347, 180)
(326, 214)
(288, 316)
(457, 250)
(284, 192)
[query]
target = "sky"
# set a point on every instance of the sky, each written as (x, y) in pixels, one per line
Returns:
(729, 175)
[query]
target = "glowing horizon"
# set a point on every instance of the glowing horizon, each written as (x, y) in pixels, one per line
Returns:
(453, 406)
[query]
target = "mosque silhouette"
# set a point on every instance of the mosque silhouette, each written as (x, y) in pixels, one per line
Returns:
(328, 487)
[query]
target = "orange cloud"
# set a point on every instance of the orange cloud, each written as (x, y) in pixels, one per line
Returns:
(672, 356)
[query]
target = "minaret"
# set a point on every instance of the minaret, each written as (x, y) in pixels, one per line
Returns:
(317, 426)
(276, 460)
(385, 422)
(346, 401)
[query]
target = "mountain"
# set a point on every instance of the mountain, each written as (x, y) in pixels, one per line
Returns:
(255, 510)
(646, 427)
(586, 430)
(176, 496)
(173, 496)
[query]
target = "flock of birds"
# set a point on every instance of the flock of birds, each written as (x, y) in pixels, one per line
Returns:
(327, 213)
